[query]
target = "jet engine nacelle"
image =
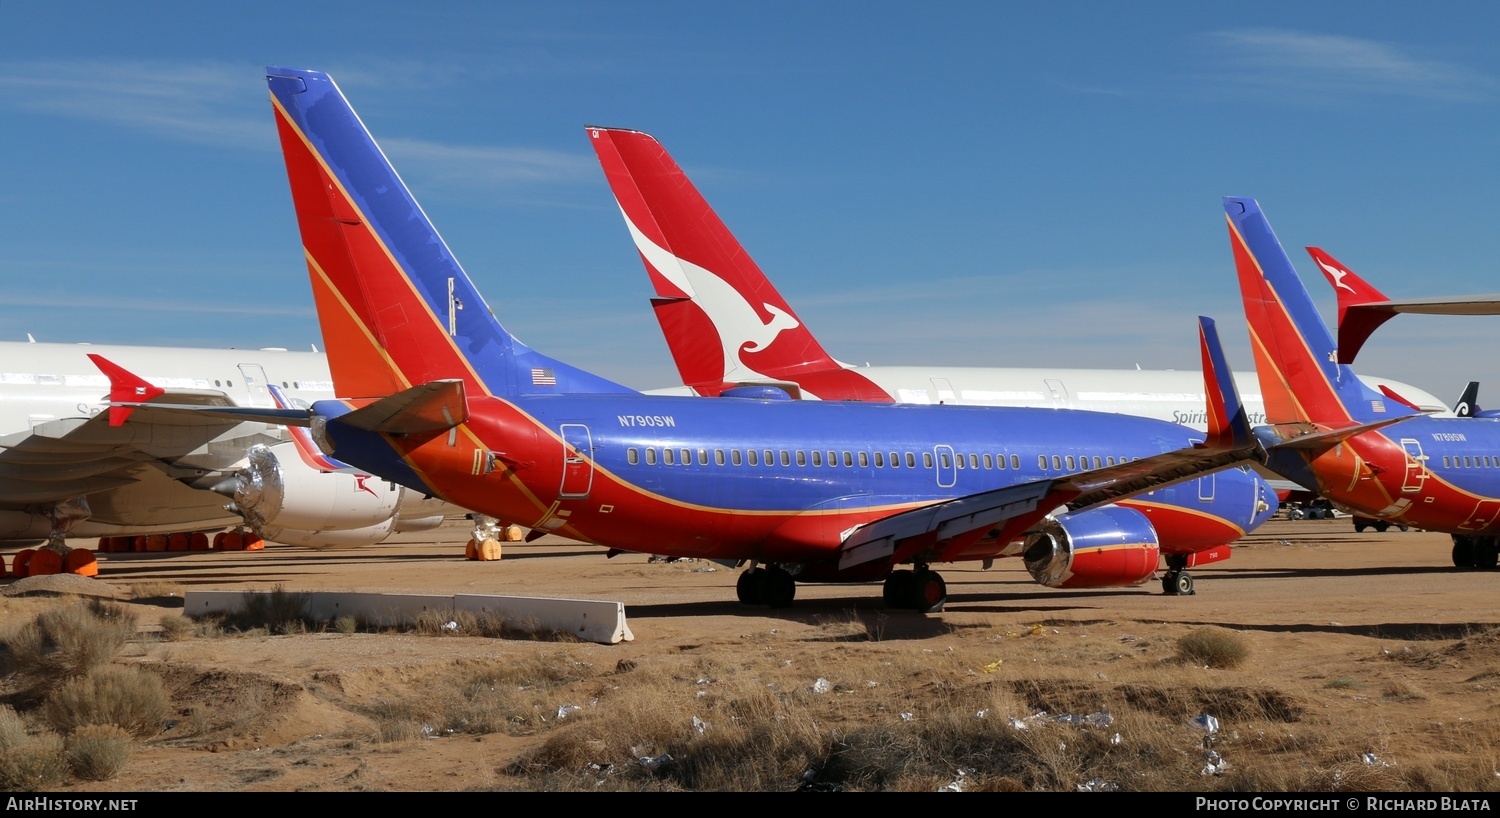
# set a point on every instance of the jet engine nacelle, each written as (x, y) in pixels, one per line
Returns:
(346, 538)
(277, 490)
(1106, 547)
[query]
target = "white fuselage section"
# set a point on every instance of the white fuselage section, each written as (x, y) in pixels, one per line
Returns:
(1163, 394)
(146, 477)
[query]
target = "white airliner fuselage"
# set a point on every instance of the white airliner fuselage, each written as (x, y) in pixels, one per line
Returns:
(64, 468)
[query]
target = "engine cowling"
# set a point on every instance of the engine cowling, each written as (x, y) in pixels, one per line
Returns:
(347, 538)
(277, 490)
(1106, 547)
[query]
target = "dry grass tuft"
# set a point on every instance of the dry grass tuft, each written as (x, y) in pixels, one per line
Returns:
(38, 764)
(278, 611)
(97, 752)
(177, 628)
(127, 697)
(68, 641)
(1213, 647)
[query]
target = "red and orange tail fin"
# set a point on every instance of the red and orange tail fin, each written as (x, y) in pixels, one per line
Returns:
(397, 310)
(1301, 376)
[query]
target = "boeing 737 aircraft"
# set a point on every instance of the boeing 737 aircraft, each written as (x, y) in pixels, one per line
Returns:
(727, 325)
(1440, 474)
(66, 472)
(447, 402)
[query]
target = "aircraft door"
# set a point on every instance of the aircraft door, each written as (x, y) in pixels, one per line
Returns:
(1484, 514)
(1416, 466)
(947, 471)
(1058, 391)
(256, 393)
(578, 460)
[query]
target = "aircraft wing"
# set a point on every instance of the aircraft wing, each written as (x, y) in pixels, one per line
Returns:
(949, 528)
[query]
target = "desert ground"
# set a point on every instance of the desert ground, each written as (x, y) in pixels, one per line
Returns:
(1371, 645)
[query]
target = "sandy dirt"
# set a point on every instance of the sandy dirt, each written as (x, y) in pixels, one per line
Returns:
(283, 713)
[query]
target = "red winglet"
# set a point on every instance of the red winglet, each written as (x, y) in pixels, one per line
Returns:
(124, 387)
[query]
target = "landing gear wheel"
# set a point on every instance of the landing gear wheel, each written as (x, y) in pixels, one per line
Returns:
(1463, 552)
(1382, 527)
(900, 587)
(929, 592)
(1177, 583)
(751, 587)
(1486, 554)
(778, 589)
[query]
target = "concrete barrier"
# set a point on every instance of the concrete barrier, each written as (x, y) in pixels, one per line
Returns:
(587, 619)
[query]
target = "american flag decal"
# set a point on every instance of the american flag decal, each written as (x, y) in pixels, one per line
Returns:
(543, 377)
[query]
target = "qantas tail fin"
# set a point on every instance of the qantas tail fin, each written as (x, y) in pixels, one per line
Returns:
(1356, 320)
(396, 308)
(723, 320)
(1301, 376)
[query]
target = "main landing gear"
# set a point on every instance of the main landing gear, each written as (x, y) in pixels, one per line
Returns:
(772, 587)
(1177, 581)
(921, 590)
(1476, 552)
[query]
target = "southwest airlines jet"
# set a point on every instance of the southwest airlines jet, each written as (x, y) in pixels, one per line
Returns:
(446, 402)
(66, 472)
(1440, 474)
(727, 325)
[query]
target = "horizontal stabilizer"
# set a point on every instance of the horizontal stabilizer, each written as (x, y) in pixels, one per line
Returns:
(432, 407)
(1308, 436)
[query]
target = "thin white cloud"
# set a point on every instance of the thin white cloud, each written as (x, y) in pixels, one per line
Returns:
(225, 104)
(149, 305)
(475, 165)
(1295, 61)
(204, 103)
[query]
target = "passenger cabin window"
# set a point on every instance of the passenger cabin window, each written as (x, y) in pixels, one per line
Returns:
(718, 457)
(770, 458)
(943, 458)
(989, 461)
(1041, 462)
(926, 460)
(703, 457)
(786, 457)
(734, 457)
(651, 457)
(1057, 462)
(632, 456)
(752, 457)
(669, 457)
(817, 457)
(880, 460)
(687, 457)
(911, 460)
(1015, 461)
(864, 460)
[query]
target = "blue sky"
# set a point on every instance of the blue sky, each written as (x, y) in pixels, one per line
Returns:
(976, 183)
